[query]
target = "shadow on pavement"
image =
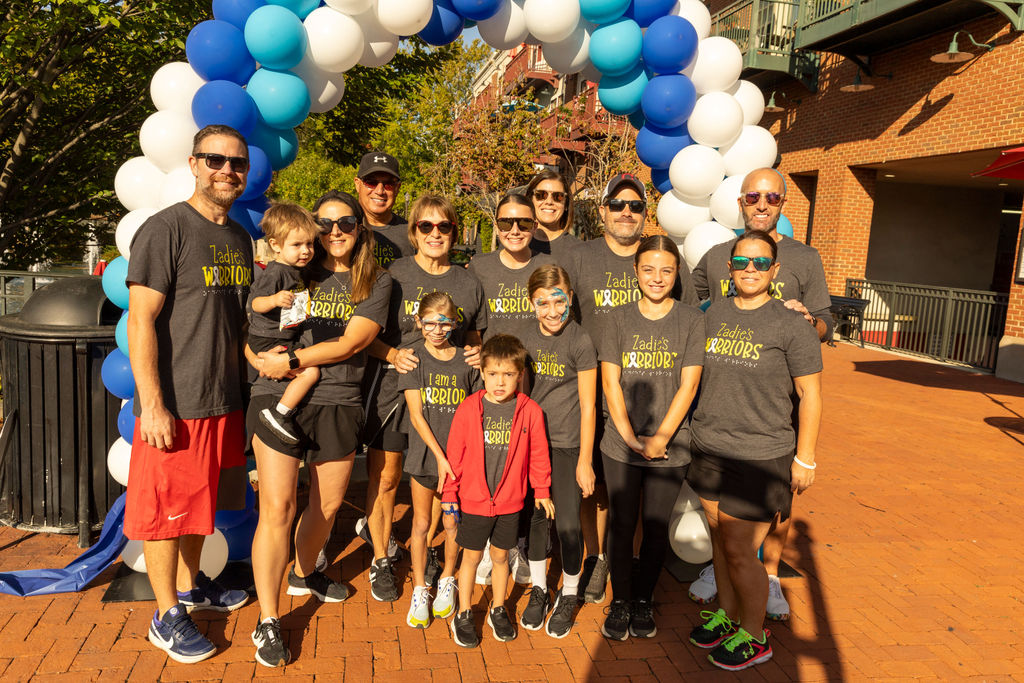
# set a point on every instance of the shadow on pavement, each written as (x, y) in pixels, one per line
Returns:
(938, 376)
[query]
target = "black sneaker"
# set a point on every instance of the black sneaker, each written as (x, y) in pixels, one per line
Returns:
(741, 651)
(501, 626)
(594, 591)
(279, 425)
(562, 616)
(536, 609)
(616, 624)
(382, 581)
(641, 619)
(363, 532)
(716, 628)
(270, 649)
(433, 569)
(585, 573)
(317, 584)
(464, 630)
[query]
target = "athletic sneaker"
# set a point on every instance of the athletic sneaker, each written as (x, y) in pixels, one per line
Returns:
(280, 425)
(363, 532)
(519, 567)
(317, 584)
(463, 630)
(419, 608)
(447, 594)
(501, 625)
(704, 589)
(641, 619)
(382, 581)
(741, 651)
(716, 629)
(536, 609)
(483, 570)
(562, 616)
(178, 636)
(777, 608)
(433, 569)
(210, 595)
(270, 649)
(594, 591)
(616, 624)
(321, 560)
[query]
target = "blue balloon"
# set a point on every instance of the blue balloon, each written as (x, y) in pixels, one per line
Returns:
(260, 174)
(784, 226)
(477, 10)
(603, 11)
(445, 24)
(656, 147)
(235, 12)
(116, 373)
(216, 51)
(249, 214)
(275, 37)
(126, 421)
(280, 146)
(637, 119)
(645, 12)
(114, 285)
(121, 333)
(621, 95)
(660, 180)
(224, 102)
(615, 48)
(301, 8)
(240, 537)
(280, 96)
(225, 519)
(670, 44)
(669, 100)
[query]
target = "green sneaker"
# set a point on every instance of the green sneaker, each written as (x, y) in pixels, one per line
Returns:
(716, 628)
(741, 651)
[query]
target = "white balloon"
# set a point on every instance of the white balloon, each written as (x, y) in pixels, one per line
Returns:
(716, 120)
(178, 186)
(507, 28)
(325, 89)
(686, 501)
(166, 138)
(215, 554)
(551, 21)
(173, 86)
(133, 556)
(137, 184)
(717, 66)
(118, 458)
(690, 537)
(697, 13)
(404, 17)
(751, 100)
(571, 55)
(128, 226)
(350, 7)
(677, 215)
(334, 40)
(754, 148)
(379, 44)
(701, 238)
(725, 202)
(696, 171)
(590, 73)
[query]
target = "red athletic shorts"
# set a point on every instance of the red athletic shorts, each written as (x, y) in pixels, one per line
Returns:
(174, 493)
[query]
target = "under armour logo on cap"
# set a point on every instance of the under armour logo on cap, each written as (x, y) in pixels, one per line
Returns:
(379, 159)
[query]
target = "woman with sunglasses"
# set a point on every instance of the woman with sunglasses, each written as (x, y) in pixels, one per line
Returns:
(552, 205)
(348, 306)
(747, 460)
(651, 357)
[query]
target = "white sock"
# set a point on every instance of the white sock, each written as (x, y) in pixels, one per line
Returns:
(601, 557)
(539, 573)
(283, 409)
(267, 620)
(571, 583)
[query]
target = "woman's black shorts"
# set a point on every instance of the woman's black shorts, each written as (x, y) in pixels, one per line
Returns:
(326, 433)
(753, 490)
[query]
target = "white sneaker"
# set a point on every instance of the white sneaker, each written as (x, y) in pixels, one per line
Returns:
(483, 570)
(363, 532)
(777, 608)
(704, 589)
(321, 560)
(519, 567)
(444, 603)
(419, 608)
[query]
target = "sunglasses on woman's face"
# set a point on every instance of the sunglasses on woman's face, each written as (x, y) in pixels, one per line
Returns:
(216, 161)
(525, 224)
(761, 263)
(752, 198)
(346, 224)
(635, 205)
(541, 195)
(427, 227)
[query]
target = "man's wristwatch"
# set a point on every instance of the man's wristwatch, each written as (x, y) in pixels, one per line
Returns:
(293, 360)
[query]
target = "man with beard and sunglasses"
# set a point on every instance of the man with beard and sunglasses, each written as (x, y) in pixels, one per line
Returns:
(800, 284)
(189, 275)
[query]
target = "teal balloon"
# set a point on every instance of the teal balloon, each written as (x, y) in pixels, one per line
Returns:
(637, 118)
(615, 48)
(275, 37)
(281, 97)
(603, 11)
(280, 146)
(121, 333)
(784, 226)
(621, 95)
(114, 285)
(301, 8)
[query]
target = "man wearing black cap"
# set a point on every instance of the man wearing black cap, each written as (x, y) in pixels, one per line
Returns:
(377, 183)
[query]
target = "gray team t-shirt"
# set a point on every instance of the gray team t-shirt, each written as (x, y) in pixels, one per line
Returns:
(391, 241)
(205, 271)
(751, 357)
(651, 355)
(497, 424)
(553, 363)
(508, 300)
(269, 281)
(442, 386)
(559, 249)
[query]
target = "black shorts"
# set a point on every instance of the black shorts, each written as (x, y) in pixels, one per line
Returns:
(427, 481)
(384, 407)
(475, 530)
(260, 344)
(598, 462)
(326, 433)
(753, 490)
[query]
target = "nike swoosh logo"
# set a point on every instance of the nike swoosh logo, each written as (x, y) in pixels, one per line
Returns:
(176, 516)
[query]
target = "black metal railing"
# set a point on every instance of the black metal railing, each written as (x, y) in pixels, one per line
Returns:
(960, 326)
(16, 286)
(761, 26)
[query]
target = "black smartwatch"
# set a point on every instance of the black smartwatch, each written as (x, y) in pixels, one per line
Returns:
(293, 360)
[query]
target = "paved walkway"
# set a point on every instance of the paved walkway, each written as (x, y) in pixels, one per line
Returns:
(907, 541)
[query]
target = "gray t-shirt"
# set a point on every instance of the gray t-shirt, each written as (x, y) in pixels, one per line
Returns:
(442, 385)
(411, 282)
(205, 271)
(497, 424)
(553, 362)
(391, 241)
(508, 300)
(745, 407)
(269, 281)
(651, 355)
(559, 249)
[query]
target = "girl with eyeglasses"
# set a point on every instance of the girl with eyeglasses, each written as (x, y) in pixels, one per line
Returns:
(747, 458)
(552, 205)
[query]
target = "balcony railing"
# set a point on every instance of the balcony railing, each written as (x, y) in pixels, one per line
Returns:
(765, 31)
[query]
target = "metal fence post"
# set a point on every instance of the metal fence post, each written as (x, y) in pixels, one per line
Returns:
(945, 350)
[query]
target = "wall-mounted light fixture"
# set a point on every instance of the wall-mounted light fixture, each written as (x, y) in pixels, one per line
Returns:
(953, 54)
(859, 85)
(773, 107)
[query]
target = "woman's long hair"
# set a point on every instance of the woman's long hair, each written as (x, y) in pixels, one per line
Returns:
(364, 267)
(567, 218)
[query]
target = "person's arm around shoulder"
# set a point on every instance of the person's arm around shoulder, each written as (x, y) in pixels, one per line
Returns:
(540, 459)
(156, 423)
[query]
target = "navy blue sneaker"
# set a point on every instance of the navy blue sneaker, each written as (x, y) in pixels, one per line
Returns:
(178, 636)
(210, 595)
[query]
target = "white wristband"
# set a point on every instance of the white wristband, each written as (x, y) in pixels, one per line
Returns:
(800, 462)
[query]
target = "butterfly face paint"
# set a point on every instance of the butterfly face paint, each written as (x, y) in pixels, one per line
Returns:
(552, 306)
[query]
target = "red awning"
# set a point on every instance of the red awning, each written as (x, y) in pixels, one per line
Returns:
(1010, 164)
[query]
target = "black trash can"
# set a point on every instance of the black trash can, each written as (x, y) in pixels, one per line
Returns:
(59, 419)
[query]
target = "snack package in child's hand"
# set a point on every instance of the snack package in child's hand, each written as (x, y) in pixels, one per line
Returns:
(296, 313)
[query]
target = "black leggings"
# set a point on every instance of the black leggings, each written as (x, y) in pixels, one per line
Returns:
(659, 488)
(566, 496)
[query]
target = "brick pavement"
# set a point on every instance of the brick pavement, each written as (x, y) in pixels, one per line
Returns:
(907, 542)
